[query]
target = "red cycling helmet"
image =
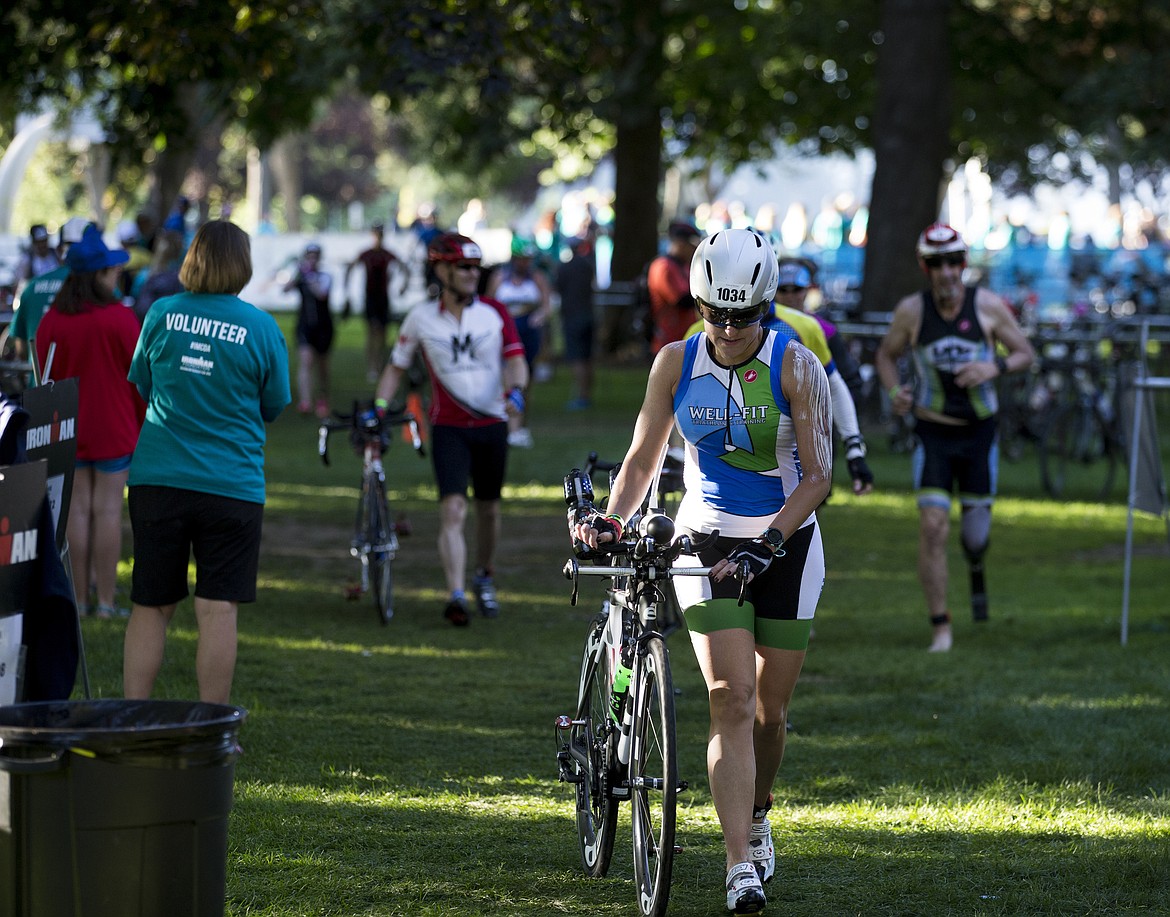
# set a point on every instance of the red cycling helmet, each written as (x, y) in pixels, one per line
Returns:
(452, 247)
(940, 239)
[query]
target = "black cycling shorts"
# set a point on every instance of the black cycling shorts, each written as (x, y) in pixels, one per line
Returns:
(478, 455)
(949, 457)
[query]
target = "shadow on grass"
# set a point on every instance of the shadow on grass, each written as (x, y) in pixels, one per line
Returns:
(443, 855)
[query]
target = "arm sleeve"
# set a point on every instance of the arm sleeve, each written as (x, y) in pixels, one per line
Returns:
(847, 366)
(844, 413)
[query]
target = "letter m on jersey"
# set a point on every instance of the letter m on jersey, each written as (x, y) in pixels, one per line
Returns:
(459, 347)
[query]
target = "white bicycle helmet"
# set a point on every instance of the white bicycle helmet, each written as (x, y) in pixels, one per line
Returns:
(734, 269)
(940, 239)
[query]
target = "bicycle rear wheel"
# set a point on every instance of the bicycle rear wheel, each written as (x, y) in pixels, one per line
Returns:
(594, 738)
(381, 544)
(654, 778)
(1077, 457)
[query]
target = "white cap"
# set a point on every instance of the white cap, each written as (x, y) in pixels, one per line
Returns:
(72, 230)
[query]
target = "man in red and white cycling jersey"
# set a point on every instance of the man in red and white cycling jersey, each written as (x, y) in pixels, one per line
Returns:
(478, 376)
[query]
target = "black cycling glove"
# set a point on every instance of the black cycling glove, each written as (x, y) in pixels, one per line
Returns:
(602, 524)
(855, 459)
(755, 553)
(859, 471)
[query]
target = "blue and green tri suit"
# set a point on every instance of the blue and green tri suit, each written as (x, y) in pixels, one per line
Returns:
(741, 463)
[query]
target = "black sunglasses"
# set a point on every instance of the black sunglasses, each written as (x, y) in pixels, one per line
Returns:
(954, 260)
(736, 318)
(467, 265)
(791, 289)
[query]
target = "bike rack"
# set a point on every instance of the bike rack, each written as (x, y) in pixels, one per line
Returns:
(1154, 497)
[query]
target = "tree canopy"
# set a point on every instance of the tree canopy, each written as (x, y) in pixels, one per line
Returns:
(1037, 89)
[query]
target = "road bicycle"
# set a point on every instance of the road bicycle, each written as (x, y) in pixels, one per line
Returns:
(375, 532)
(620, 743)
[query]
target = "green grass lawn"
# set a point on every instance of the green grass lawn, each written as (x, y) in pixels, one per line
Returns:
(410, 770)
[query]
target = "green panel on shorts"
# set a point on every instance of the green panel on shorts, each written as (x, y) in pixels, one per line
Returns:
(783, 635)
(720, 614)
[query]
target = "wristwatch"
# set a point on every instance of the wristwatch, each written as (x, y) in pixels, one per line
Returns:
(774, 539)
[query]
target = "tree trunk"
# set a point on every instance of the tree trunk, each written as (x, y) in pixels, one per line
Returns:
(285, 162)
(172, 165)
(911, 125)
(637, 176)
(637, 152)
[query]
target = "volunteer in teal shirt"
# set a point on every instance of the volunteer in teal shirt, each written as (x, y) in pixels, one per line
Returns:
(213, 370)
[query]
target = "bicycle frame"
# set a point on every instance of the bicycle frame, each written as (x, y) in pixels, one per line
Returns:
(621, 745)
(375, 536)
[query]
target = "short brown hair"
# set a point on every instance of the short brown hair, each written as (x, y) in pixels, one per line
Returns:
(219, 259)
(79, 291)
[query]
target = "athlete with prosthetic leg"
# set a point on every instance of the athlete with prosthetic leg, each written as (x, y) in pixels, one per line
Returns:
(954, 333)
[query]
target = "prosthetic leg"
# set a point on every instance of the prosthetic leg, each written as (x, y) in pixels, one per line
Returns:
(975, 535)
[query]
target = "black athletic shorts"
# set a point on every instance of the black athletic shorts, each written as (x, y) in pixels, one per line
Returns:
(475, 454)
(377, 309)
(171, 524)
(950, 458)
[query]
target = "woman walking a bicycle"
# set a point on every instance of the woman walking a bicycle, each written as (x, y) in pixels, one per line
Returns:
(755, 411)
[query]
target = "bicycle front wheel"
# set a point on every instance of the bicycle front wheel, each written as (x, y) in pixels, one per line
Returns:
(593, 739)
(381, 546)
(654, 778)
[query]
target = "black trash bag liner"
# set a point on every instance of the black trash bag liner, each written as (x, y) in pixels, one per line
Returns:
(152, 733)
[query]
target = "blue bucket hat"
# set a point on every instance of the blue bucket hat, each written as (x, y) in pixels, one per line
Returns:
(91, 253)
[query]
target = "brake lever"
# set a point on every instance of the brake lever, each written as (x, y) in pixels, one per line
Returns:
(570, 571)
(741, 573)
(415, 438)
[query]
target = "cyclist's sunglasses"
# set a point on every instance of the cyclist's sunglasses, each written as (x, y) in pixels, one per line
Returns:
(956, 259)
(467, 265)
(791, 289)
(736, 318)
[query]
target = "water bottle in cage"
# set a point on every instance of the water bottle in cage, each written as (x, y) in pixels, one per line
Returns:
(578, 493)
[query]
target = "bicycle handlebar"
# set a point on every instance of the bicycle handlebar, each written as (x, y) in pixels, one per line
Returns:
(369, 427)
(652, 546)
(572, 568)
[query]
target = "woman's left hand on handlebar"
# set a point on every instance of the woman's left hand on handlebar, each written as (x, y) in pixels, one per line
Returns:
(755, 555)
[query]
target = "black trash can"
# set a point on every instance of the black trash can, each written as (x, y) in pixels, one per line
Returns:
(115, 808)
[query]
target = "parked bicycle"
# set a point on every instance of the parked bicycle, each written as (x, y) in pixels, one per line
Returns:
(1081, 442)
(620, 744)
(375, 532)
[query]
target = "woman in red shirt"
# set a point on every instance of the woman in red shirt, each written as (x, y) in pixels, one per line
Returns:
(95, 336)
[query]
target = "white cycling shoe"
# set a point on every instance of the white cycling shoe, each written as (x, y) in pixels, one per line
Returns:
(745, 894)
(762, 850)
